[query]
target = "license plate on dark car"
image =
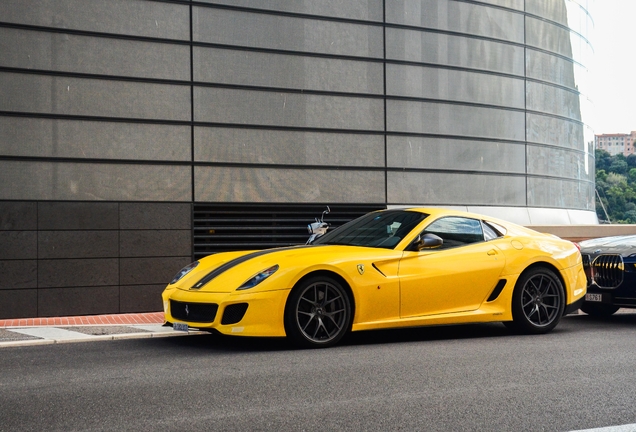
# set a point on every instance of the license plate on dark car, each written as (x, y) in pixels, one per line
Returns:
(594, 297)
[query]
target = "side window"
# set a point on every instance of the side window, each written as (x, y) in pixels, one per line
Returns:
(456, 231)
(489, 232)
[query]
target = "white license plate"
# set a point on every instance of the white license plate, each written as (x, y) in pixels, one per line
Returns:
(594, 297)
(180, 327)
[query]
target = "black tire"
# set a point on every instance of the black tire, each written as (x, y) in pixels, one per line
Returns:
(538, 302)
(599, 309)
(318, 313)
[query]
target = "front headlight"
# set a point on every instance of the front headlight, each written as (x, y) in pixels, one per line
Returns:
(184, 271)
(258, 278)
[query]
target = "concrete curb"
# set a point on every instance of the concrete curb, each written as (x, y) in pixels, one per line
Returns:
(95, 338)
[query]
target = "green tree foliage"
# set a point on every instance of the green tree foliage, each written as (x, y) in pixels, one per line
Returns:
(616, 187)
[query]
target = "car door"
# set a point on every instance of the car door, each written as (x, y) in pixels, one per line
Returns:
(456, 277)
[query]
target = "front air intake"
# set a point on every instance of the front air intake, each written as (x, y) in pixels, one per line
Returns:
(234, 313)
(193, 312)
(607, 270)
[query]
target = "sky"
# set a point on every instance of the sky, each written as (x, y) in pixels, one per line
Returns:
(613, 67)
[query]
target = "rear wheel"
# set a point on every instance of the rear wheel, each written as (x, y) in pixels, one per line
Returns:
(538, 302)
(599, 310)
(318, 313)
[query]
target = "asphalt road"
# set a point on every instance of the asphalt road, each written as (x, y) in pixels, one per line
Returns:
(459, 378)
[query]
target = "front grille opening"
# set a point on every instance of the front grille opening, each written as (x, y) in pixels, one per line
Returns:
(193, 312)
(607, 270)
(233, 227)
(234, 313)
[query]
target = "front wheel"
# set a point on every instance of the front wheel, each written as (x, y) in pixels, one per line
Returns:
(318, 313)
(538, 302)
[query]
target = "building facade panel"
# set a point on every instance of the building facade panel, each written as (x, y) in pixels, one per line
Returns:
(78, 272)
(152, 243)
(248, 68)
(125, 17)
(542, 192)
(155, 216)
(288, 185)
(551, 68)
(18, 274)
(558, 162)
(558, 39)
(455, 154)
(511, 4)
(286, 33)
(19, 303)
(18, 245)
(453, 50)
(264, 108)
(454, 85)
(140, 298)
(550, 99)
(93, 181)
(18, 215)
(276, 147)
(44, 94)
(454, 120)
(543, 129)
(93, 55)
(86, 139)
(448, 188)
(89, 300)
(365, 10)
(454, 16)
(52, 215)
(78, 244)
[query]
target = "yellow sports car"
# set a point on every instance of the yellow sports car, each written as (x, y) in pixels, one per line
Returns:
(387, 269)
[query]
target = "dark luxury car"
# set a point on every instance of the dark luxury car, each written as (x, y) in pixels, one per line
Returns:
(610, 267)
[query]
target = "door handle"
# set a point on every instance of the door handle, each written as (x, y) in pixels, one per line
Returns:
(492, 252)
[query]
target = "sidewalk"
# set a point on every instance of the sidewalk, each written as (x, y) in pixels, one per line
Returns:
(134, 318)
(38, 331)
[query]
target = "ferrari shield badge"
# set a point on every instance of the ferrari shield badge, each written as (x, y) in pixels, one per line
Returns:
(361, 268)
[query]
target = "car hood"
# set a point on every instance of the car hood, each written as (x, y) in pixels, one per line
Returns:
(622, 245)
(225, 272)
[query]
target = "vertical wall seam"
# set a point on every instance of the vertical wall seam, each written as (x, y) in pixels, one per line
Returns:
(191, 106)
(386, 164)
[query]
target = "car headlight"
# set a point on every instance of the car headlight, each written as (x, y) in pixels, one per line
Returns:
(184, 271)
(258, 278)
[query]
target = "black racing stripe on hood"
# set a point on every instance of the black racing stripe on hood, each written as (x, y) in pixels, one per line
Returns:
(236, 261)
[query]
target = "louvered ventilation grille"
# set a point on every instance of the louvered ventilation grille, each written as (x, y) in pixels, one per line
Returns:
(607, 270)
(223, 227)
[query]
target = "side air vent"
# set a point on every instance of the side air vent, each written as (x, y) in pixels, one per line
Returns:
(498, 288)
(229, 227)
(607, 270)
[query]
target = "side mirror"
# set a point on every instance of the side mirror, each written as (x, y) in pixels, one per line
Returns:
(428, 241)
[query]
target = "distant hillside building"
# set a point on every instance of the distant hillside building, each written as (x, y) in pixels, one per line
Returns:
(616, 143)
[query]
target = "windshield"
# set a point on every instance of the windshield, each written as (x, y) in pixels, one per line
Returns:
(382, 229)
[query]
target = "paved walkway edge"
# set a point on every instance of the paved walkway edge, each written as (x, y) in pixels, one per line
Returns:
(30, 342)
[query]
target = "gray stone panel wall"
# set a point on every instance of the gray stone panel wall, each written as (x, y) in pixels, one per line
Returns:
(78, 258)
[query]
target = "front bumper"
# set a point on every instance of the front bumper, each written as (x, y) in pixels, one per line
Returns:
(237, 313)
(617, 297)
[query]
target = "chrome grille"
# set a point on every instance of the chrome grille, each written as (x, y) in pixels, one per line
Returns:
(607, 270)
